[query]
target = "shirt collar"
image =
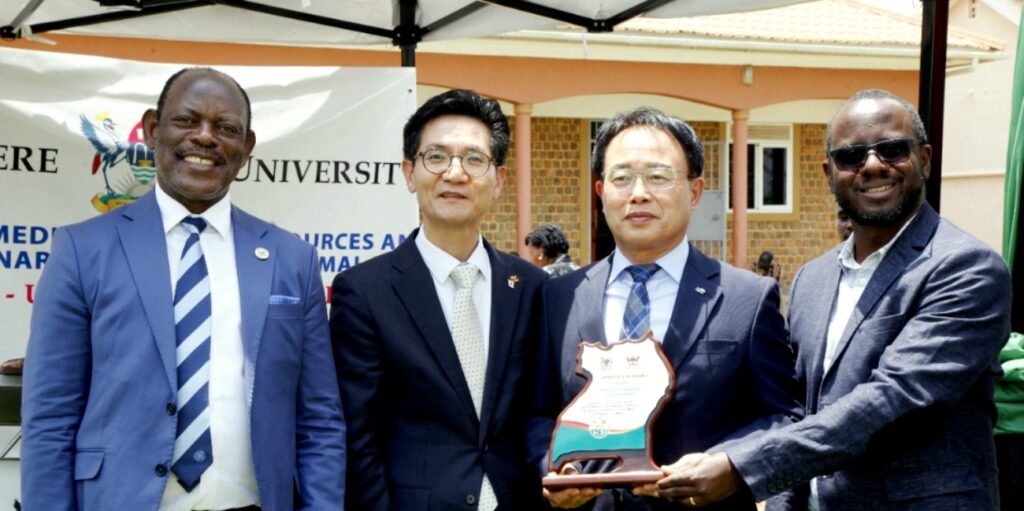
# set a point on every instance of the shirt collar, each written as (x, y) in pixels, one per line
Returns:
(173, 212)
(848, 262)
(441, 263)
(671, 263)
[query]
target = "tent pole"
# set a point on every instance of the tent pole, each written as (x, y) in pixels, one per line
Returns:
(932, 92)
(30, 8)
(407, 33)
(409, 55)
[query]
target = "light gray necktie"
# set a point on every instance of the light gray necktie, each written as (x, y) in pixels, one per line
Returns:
(469, 346)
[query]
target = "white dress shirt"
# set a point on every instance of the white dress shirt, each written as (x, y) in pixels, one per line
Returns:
(852, 283)
(854, 280)
(441, 264)
(230, 481)
(662, 289)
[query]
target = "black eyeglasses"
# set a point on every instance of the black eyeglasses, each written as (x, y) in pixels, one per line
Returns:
(891, 151)
(438, 161)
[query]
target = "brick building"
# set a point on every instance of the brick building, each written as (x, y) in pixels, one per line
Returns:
(560, 171)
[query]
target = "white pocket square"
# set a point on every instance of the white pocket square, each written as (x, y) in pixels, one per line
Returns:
(283, 299)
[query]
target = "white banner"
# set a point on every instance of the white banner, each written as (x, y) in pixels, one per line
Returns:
(327, 162)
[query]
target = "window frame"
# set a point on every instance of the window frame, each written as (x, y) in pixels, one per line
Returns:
(758, 184)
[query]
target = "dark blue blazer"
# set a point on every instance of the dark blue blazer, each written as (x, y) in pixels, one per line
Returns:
(414, 439)
(100, 369)
(726, 341)
(903, 419)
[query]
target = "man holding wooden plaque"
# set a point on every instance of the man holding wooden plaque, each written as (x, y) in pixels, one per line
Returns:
(718, 329)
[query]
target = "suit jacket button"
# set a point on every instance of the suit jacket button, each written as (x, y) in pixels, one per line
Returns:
(171, 409)
(160, 470)
(470, 499)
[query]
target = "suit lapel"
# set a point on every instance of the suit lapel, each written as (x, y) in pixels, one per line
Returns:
(590, 319)
(254, 284)
(697, 296)
(587, 316)
(505, 303)
(906, 249)
(820, 308)
(415, 289)
(145, 246)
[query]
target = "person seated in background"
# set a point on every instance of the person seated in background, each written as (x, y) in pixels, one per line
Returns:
(549, 249)
(843, 225)
(766, 266)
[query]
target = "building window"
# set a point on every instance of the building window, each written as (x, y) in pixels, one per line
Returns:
(769, 169)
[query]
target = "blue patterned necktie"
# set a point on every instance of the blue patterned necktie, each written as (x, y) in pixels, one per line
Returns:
(636, 320)
(193, 452)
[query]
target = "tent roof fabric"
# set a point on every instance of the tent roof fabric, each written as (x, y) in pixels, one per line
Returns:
(236, 20)
(842, 22)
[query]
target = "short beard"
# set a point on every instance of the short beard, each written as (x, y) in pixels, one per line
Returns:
(887, 217)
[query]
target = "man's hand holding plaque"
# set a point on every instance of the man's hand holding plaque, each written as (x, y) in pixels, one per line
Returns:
(571, 497)
(696, 480)
(628, 383)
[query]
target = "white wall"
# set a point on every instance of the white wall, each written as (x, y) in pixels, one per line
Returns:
(976, 128)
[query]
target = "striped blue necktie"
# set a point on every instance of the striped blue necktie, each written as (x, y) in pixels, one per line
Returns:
(636, 320)
(193, 451)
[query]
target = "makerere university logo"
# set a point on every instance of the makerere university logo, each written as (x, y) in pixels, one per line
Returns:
(121, 186)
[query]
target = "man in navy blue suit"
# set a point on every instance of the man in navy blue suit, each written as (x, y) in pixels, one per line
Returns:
(898, 331)
(719, 326)
(433, 340)
(179, 357)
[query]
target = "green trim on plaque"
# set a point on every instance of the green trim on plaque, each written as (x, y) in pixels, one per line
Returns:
(570, 439)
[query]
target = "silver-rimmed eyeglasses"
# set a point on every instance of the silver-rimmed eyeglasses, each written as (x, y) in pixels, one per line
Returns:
(655, 178)
(438, 161)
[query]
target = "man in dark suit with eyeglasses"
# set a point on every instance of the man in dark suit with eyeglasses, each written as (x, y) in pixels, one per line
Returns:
(719, 326)
(432, 340)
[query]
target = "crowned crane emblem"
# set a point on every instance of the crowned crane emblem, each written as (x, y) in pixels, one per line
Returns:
(112, 149)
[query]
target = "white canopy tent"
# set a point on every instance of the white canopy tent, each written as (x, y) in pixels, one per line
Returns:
(338, 22)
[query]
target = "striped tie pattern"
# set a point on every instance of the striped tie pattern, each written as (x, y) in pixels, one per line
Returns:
(193, 452)
(636, 320)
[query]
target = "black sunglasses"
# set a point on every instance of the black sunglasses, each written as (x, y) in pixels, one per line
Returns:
(892, 152)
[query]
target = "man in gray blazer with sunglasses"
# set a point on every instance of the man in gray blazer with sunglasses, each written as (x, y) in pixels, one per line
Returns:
(897, 330)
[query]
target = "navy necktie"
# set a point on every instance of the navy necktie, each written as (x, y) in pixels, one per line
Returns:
(193, 447)
(636, 320)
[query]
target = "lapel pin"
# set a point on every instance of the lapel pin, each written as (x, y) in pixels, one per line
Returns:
(700, 290)
(512, 281)
(262, 254)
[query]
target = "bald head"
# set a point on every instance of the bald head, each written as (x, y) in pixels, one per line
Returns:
(917, 126)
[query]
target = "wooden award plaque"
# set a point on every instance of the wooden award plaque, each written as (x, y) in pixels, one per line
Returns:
(628, 384)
